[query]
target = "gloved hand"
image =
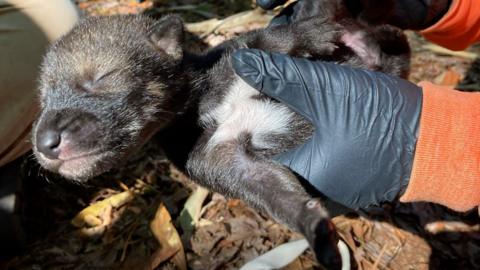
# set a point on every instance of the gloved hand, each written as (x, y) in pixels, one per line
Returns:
(405, 14)
(366, 124)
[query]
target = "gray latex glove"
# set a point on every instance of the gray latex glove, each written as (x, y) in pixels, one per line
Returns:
(366, 124)
(405, 14)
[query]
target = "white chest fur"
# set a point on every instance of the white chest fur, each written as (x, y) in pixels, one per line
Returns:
(241, 112)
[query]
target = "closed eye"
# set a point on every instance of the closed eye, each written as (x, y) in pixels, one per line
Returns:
(90, 85)
(105, 75)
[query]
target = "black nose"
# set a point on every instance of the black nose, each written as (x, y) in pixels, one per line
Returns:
(48, 143)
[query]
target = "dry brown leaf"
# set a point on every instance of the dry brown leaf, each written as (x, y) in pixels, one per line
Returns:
(169, 240)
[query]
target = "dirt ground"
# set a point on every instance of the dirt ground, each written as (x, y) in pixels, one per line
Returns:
(148, 215)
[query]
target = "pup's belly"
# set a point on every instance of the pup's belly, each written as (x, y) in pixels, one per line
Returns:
(244, 111)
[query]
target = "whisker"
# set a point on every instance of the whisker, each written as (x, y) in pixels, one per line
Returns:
(168, 112)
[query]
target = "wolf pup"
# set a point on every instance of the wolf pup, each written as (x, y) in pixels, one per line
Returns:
(113, 82)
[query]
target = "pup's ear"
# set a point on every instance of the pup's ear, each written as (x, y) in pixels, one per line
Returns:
(167, 36)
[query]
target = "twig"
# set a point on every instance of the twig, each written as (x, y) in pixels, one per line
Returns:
(440, 50)
(379, 258)
(122, 185)
(129, 236)
(214, 25)
(188, 8)
(451, 226)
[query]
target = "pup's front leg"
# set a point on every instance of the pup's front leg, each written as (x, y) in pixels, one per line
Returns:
(317, 38)
(231, 168)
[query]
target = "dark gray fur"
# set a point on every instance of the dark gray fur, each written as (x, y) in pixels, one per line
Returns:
(113, 82)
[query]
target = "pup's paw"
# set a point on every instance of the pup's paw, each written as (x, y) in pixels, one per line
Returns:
(320, 37)
(321, 235)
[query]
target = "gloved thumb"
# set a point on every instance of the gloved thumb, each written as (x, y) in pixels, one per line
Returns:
(296, 82)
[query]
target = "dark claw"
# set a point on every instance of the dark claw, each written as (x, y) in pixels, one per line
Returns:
(324, 245)
(321, 235)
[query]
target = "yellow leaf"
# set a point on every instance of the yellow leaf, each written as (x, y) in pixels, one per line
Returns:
(93, 215)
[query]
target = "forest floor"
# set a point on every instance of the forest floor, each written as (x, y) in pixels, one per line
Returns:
(149, 215)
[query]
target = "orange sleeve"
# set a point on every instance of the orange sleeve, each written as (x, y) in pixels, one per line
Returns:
(446, 167)
(458, 28)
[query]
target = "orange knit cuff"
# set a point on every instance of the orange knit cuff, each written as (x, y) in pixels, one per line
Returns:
(446, 167)
(458, 28)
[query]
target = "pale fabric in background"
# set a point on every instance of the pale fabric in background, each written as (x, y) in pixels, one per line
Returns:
(26, 29)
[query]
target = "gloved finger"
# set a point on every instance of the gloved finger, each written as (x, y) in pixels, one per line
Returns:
(298, 159)
(316, 163)
(309, 160)
(270, 4)
(302, 84)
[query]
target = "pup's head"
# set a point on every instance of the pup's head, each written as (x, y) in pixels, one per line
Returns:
(105, 88)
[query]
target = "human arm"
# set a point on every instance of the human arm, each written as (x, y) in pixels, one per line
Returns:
(458, 28)
(377, 137)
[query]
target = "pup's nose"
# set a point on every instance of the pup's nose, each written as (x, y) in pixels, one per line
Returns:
(48, 143)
